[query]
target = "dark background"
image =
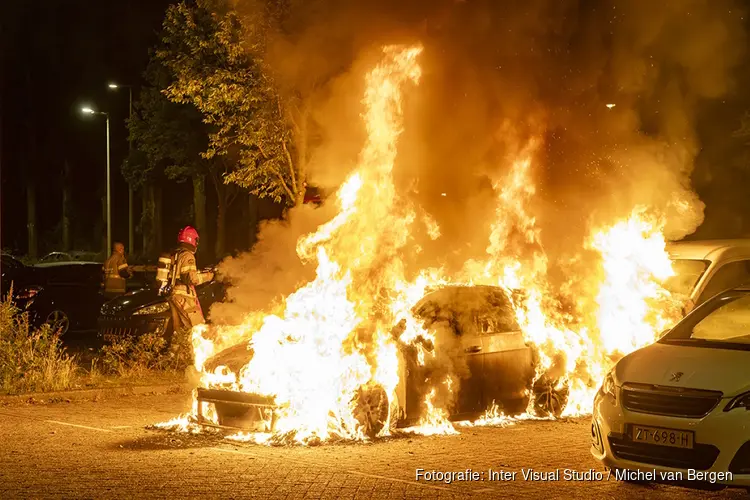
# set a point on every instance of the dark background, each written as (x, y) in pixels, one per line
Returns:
(59, 55)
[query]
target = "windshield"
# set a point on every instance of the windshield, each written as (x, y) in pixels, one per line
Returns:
(727, 322)
(687, 274)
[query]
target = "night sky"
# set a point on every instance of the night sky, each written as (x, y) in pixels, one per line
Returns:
(58, 55)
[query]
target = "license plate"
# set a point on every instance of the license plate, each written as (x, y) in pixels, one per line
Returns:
(662, 437)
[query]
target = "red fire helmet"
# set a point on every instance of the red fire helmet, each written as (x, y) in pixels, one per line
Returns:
(188, 234)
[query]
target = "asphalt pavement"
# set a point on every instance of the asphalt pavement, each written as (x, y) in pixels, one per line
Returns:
(90, 449)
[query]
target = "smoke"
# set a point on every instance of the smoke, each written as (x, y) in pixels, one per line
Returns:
(271, 271)
(496, 75)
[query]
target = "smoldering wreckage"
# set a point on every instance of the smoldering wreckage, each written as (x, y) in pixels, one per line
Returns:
(409, 306)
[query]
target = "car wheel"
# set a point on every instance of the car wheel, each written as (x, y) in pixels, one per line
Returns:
(58, 321)
(550, 397)
(370, 404)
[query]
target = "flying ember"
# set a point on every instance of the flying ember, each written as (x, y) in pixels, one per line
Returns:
(331, 361)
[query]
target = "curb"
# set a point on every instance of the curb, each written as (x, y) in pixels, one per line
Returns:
(96, 394)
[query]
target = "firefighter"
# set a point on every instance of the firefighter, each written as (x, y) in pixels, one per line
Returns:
(183, 276)
(116, 272)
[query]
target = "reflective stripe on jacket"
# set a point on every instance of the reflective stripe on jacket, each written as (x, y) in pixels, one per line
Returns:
(187, 274)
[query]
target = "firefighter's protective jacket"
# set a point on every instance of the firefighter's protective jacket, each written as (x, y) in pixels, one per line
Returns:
(185, 277)
(115, 271)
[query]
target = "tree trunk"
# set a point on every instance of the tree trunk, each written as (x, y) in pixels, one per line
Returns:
(252, 219)
(221, 210)
(31, 216)
(103, 242)
(156, 226)
(302, 154)
(199, 205)
(66, 207)
(147, 217)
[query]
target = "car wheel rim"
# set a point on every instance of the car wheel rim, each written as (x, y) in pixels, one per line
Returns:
(371, 408)
(550, 401)
(58, 321)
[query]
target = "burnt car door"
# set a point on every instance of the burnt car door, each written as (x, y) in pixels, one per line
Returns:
(470, 369)
(457, 357)
(507, 362)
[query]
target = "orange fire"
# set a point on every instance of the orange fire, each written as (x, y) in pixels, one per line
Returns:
(333, 336)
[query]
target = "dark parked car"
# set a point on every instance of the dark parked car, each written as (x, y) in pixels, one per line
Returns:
(12, 271)
(65, 295)
(145, 311)
(476, 328)
(73, 256)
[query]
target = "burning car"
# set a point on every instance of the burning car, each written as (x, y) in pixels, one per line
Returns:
(478, 346)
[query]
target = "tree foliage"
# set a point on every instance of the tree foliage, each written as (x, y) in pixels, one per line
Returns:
(217, 69)
(169, 137)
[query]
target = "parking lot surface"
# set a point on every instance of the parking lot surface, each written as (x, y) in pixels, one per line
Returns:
(103, 449)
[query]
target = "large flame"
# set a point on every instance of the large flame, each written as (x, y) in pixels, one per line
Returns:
(335, 336)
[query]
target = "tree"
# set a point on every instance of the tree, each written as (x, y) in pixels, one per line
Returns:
(203, 45)
(66, 199)
(172, 137)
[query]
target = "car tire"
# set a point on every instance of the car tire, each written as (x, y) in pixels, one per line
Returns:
(58, 321)
(550, 397)
(371, 406)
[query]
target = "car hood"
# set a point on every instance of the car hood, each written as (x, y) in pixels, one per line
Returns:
(128, 303)
(725, 370)
(234, 358)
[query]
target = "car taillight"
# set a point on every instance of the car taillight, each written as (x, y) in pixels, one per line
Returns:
(28, 293)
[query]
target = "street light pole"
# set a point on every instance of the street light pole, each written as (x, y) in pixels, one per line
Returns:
(109, 198)
(109, 192)
(131, 231)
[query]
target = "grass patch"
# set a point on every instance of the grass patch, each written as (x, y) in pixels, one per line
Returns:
(34, 360)
(31, 360)
(139, 357)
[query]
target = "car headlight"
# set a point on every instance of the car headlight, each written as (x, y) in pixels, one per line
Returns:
(157, 308)
(608, 386)
(741, 401)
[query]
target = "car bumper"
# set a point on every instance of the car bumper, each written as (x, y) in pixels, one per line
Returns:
(235, 410)
(725, 435)
(133, 325)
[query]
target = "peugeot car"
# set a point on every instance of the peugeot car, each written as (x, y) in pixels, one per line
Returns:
(682, 404)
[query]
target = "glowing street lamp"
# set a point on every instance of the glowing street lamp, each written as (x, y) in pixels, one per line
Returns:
(90, 111)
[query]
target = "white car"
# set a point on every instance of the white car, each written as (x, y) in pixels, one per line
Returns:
(705, 268)
(679, 409)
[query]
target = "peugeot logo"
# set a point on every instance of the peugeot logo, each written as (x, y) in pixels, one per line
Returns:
(676, 376)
